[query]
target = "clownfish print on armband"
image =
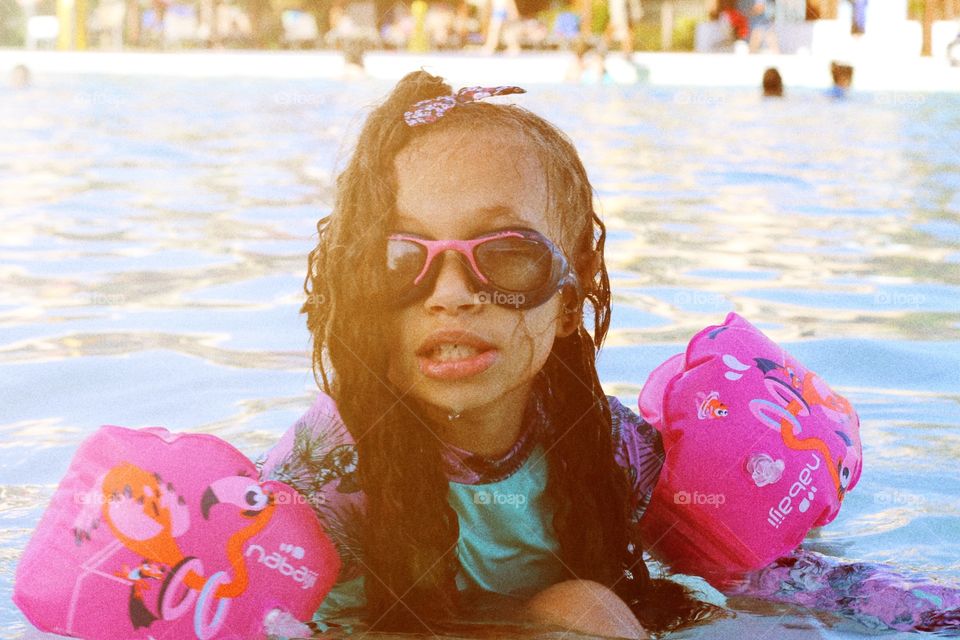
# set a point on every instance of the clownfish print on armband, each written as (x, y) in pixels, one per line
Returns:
(709, 406)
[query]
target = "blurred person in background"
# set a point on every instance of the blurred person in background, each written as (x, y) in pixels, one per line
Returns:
(397, 26)
(20, 77)
(772, 83)
(859, 23)
(842, 75)
(953, 52)
(587, 65)
(622, 14)
(760, 14)
(441, 26)
(504, 18)
(739, 25)
(353, 68)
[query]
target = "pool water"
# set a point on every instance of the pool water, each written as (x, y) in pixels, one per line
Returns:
(154, 235)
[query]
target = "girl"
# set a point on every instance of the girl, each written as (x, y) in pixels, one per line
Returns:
(463, 456)
(469, 448)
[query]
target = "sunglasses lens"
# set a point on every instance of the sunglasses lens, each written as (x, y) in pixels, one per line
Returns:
(404, 261)
(515, 264)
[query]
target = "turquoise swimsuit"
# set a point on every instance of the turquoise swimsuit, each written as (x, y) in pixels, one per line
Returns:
(506, 545)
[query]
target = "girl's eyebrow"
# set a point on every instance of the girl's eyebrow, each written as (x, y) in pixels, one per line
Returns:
(498, 212)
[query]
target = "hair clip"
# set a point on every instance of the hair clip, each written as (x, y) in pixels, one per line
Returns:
(430, 110)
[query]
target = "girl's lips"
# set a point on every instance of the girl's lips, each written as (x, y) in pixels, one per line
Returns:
(457, 369)
(433, 355)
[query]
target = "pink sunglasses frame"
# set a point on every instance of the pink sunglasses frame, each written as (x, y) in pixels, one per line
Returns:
(463, 247)
(561, 275)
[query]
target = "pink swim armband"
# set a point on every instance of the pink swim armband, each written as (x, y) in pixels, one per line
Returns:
(154, 534)
(758, 449)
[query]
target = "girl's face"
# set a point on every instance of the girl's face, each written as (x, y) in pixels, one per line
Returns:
(453, 350)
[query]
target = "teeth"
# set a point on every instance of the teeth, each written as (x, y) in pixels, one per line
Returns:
(447, 352)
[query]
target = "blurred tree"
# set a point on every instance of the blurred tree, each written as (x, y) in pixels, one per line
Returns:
(647, 37)
(684, 33)
(264, 23)
(131, 23)
(929, 12)
(13, 26)
(419, 42)
(824, 9)
(529, 8)
(320, 10)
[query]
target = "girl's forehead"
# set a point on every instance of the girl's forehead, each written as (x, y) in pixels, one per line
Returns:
(457, 184)
(454, 151)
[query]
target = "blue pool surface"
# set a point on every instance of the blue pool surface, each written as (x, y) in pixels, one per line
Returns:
(154, 241)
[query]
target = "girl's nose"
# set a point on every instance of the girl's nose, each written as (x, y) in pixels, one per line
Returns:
(453, 289)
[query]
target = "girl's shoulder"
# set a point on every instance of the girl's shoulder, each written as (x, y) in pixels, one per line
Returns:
(317, 456)
(318, 443)
(639, 450)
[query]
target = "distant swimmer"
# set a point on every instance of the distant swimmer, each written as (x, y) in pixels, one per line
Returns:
(842, 80)
(20, 77)
(953, 52)
(772, 83)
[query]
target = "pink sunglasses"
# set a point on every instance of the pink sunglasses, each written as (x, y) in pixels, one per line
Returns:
(517, 268)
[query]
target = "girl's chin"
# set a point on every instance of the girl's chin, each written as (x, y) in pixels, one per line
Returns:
(442, 403)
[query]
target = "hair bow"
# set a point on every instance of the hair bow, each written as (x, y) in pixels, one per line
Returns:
(430, 110)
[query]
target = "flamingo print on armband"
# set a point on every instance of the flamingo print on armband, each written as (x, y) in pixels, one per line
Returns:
(147, 516)
(792, 395)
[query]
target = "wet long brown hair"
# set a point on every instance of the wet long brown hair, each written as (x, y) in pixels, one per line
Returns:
(411, 531)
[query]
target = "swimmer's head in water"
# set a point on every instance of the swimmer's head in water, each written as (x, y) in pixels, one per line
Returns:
(20, 77)
(772, 83)
(842, 75)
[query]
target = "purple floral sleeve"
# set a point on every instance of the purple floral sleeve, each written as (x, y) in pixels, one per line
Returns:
(877, 596)
(639, 451)
(318, 457)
